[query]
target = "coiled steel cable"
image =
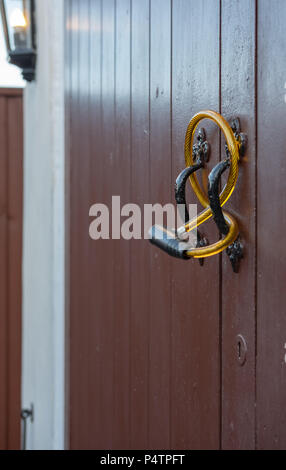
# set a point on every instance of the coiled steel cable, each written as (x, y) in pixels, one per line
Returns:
(233, 147)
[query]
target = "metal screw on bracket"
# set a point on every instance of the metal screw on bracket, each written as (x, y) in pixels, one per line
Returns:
(201, 150)
(202, 241)
(240, 137)
(26, 414)
(235, 254)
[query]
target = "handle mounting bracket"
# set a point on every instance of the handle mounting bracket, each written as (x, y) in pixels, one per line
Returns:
(240, 136)
(201, 150)
(235, 254)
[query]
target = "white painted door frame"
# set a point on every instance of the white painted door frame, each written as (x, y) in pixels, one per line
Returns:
(43, 360)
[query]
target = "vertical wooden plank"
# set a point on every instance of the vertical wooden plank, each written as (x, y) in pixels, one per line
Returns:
(140, 249)
(3, 275)
(161, 191)
(271, 210)
(195, 292)
(11, 155)
(81, 198)
(92, 424)
(238, 75)
(107, 154)
(14, 274)
(75, 416)
(97, 254)
(121, 261)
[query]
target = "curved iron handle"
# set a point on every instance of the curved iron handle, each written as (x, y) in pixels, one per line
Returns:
(213, 192)
(213, 201)
(180, 196)
(235, 250)
(180, 188)
(169, 241)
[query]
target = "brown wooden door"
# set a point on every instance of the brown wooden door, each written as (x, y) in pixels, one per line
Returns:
(11, 184)
(154, 342)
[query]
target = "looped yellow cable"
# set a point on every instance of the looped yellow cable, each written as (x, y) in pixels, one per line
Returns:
(233, 147)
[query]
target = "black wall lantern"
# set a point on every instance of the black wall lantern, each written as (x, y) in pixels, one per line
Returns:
(18, 18)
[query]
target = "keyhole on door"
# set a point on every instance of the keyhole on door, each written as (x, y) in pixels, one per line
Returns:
(241, 350)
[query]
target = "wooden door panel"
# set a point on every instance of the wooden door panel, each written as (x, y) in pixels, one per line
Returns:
(121, 427)
(147, 366)
(195, 380)
(11, 196)
(161, 191)
(271, 223)
(106, 264)
(3, 271)
(140, 252)
(153, 341)
(238, 80)
(15, 224)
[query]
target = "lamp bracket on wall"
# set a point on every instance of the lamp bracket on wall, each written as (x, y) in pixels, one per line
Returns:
(25, 60)
(19, 26)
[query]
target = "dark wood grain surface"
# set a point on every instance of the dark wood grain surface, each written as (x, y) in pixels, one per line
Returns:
(271, 222)
(195, 381)
(238, 99)
(154, 360)
(11, 197)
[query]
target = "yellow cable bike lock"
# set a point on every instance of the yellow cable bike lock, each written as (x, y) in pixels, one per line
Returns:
(174, 242)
